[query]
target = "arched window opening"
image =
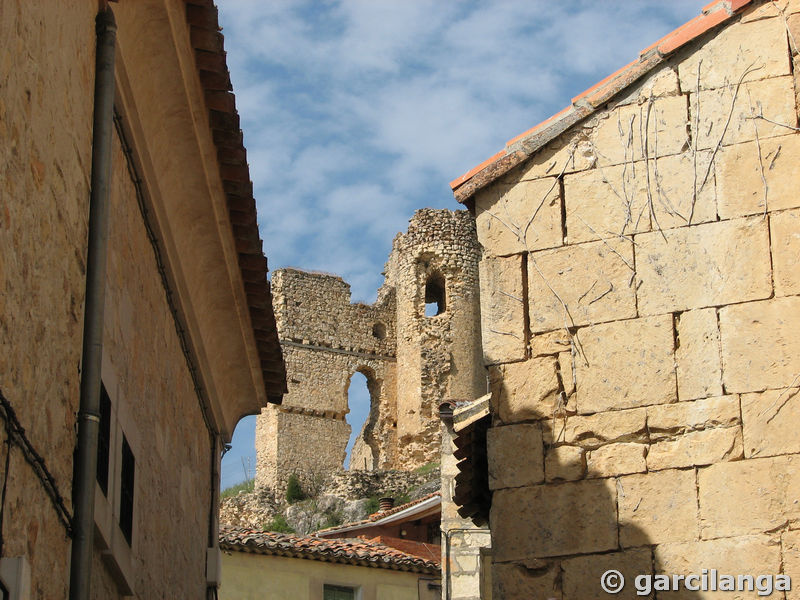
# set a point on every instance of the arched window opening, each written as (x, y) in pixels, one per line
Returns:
(358, 401)
(435, 301)
(379, 331)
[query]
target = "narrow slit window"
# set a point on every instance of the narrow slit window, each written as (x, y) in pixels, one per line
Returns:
(435, 301)
(126, 491)
(104, 440)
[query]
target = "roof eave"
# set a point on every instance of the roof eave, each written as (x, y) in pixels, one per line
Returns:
(521, 147)
(223, 120)
(426, 505)
(418, 565)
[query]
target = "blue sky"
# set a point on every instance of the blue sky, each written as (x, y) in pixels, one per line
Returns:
(355, 113)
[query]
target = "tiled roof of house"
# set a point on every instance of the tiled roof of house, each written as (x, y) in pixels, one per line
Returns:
(223, 120)
(368, 553)
(518, 149)
(377, 517)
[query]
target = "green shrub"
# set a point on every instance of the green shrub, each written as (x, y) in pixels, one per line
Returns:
(294, 493)
(401, 499)
(426, 469)
(372, 505)
(278, 524)
(333, 520)
(244, 486)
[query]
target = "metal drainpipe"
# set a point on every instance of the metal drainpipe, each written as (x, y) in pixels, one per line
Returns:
(85, 468)
(447, 536)
(213, 526)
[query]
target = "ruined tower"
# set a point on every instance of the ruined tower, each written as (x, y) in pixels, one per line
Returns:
(325, 339)
(418, 344)
(433, 269)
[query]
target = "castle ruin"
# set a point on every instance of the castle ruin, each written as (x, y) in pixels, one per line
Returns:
(411, 357)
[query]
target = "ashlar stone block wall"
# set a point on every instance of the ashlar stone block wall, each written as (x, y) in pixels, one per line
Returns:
(642, 334)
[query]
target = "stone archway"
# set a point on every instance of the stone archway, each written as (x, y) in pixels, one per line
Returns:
(365, 448)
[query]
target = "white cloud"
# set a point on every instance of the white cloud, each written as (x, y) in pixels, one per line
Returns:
(356, 112)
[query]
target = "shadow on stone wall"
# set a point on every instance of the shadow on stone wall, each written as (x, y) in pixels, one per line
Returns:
(555, 525)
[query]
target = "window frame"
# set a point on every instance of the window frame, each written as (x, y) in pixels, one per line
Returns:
(104, 441)
(338, 587)
(117, 546)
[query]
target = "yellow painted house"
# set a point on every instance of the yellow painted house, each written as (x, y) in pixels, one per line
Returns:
(276, 566)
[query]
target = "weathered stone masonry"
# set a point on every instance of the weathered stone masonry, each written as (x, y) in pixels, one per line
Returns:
(640, 300)
(189, 343)
(411, 361)
(325, 339)
(438, 356)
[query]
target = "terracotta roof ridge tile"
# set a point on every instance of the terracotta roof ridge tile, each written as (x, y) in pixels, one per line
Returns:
(350, 550)
(522, 146)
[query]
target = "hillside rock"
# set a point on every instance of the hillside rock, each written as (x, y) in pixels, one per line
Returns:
(344, 498)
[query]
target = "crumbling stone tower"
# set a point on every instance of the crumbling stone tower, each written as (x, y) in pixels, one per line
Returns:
(434, 271)
(325, 339)
(412, 357)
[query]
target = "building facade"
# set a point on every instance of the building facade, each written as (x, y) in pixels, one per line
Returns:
(189, 344)
(276, 566)
(639, 294)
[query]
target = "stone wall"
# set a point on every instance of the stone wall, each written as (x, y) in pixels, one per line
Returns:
(363, 484)
(314, 309)
(43, 192)
(42, 268)
(325, 340)
(438, 356)
(299, 443)
(639, 292)
(47, 64)
(411, 361)
(152, 392)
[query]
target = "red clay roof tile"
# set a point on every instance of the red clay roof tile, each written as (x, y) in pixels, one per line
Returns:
(621, 79)
(692, 29)
(603, 82)
(456, 182)
(541, 125)
(354, 551)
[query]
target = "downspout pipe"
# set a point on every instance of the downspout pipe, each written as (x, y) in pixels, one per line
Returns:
(85, 467)
(217, 452)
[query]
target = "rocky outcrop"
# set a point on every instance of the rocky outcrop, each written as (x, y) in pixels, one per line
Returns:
(345, 497)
